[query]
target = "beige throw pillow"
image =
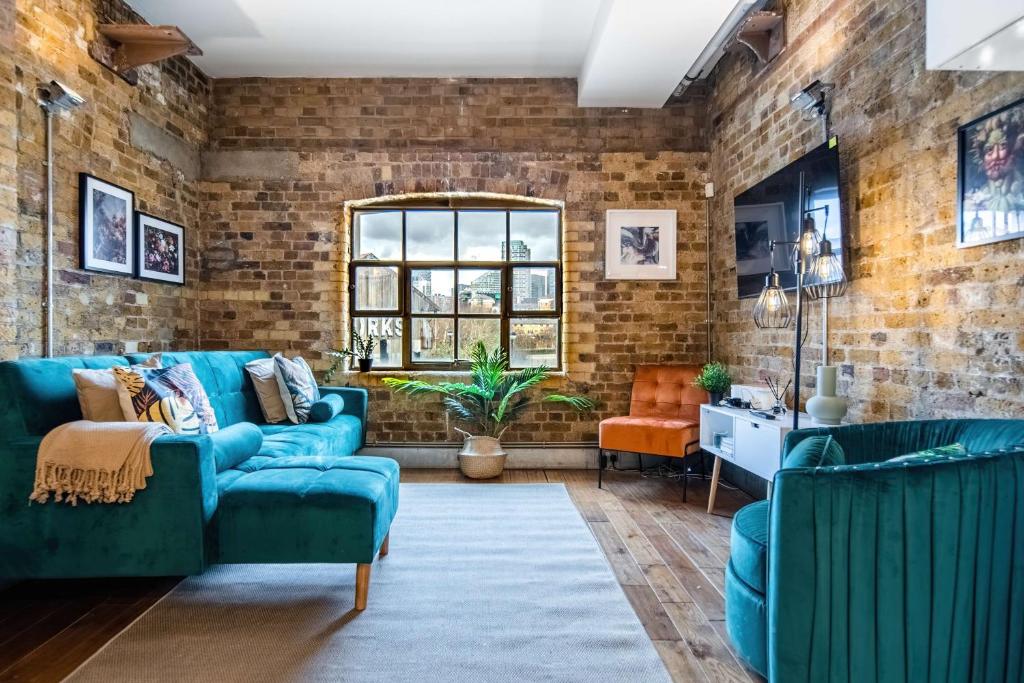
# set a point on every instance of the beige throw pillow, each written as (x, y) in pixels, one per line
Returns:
(97, 391)
(265, 381)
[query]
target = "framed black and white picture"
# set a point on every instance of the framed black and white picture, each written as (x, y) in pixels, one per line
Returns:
(640, 244)
(990, 200)
(160, 256)
(105, 214)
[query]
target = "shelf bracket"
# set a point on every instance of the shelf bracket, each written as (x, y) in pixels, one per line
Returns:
(765, 34)
(134, 45)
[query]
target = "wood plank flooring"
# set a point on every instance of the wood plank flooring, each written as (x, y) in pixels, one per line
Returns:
(669, 557)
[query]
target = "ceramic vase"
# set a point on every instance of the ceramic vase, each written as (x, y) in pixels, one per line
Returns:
(825, 408)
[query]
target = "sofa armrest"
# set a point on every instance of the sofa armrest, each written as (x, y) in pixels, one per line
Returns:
(356, 400)
(161, 532)
(898, 571)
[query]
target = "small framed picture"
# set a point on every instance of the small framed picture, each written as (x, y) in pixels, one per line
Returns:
(640, 244)
(990, 181)
(105, 214)
(161, 253)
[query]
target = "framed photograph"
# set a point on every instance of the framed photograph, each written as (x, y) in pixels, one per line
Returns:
(105, 215)
(160, 256)
(640, 244)
(990, 178)
(757, 225)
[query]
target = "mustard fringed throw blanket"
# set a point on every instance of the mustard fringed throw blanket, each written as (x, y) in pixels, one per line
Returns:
(104, 462)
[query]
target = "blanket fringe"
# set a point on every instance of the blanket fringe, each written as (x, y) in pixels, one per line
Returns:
(71, 484)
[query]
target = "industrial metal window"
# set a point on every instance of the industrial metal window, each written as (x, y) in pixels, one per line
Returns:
(430, 283)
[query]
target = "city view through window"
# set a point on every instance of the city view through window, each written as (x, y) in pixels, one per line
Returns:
(431, 283)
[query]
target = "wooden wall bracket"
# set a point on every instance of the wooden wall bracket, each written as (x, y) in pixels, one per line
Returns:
(764, 33)
(133, 45)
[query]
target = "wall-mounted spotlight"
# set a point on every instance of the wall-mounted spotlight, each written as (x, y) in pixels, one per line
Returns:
(815, 101)
(54, 96)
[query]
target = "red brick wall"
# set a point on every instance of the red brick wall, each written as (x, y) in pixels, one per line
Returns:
(49, 39)
(288, 153)
(926, 330)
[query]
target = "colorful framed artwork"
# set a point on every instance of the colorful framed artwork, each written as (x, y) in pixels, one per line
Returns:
(640, 244)
(990, 178)
(105, 214)
(160, 256)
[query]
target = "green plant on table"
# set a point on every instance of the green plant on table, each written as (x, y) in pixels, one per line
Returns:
(714, 378)
(496, 396)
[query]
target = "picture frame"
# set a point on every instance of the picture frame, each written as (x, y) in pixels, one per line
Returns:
(990, 177)
(640, 244)
(106, 236)
(161, 250)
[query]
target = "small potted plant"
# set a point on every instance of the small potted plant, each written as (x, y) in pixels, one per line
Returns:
(362, 350)
(495, 399)
(714, 378)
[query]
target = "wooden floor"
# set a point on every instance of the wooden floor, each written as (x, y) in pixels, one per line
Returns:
(668, 555)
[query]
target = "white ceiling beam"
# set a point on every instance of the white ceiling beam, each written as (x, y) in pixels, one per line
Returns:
(640, 49)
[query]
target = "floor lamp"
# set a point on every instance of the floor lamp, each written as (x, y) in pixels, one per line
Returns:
(819, 275)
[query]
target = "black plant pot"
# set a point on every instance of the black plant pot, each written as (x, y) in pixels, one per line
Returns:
(365, 364)
(716, 397)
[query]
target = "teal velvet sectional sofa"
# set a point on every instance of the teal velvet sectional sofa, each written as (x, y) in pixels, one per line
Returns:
(250, 492)
(881, 571)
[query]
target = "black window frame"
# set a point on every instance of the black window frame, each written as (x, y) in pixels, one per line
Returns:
(506, 267)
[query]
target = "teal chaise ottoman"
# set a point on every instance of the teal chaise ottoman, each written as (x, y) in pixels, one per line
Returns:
(250, 492)
(886, 571)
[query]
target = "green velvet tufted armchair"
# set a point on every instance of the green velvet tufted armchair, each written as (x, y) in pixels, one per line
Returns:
(882, 571)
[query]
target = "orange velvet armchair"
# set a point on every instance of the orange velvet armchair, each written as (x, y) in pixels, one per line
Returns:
(664, 416)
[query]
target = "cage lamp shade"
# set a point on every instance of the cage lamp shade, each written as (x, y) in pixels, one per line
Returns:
(772, 308)
(825, 277)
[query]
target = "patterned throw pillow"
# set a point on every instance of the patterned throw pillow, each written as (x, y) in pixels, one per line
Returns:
(949, 452)
(297, 386)
(172, 395)
(97, 391)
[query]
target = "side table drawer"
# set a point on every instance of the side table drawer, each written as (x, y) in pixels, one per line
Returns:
(757, 448)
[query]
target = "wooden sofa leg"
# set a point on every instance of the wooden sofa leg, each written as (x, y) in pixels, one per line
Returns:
(362, 585)
(384, 545)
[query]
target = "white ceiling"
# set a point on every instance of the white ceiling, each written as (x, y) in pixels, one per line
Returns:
(629, 52)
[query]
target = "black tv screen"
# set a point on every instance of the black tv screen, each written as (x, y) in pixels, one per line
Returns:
(772, 210)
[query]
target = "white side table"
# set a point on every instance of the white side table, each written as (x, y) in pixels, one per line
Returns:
(757, 442)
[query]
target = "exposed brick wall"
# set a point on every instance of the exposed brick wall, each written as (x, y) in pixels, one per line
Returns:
(289, 153)
(93, 313)
(926, 330)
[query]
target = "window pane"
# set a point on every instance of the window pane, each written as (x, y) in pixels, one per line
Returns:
(482, 235)
(388, 331)
(376, 288)
(534, 342)
(378, 235)
(473, 330)
(479, 291)
(432, 340)
(534, 236)
(533, 289)
(429, 235)
(433, 290)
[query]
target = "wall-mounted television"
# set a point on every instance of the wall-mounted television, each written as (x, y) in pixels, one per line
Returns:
(772, 210)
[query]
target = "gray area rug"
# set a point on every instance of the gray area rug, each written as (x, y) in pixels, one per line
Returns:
(483, 583)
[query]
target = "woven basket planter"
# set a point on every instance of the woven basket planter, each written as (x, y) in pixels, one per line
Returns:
(482, 457)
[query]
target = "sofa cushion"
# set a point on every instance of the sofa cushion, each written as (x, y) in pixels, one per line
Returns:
(326, 408)
(97, 391)
(815, 451)
(341, 435)
(235, 444)
(748, 549)
(654, 435)
(306, 509)
(264, 381)
(297, 385)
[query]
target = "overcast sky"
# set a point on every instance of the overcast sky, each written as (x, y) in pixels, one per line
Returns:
(430, 234)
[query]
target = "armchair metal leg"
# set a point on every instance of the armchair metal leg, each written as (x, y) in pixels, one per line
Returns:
(600, 465)
(641, 457)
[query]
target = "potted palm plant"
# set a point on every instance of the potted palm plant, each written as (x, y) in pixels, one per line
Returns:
(362, 350)
(494, 399)
(714, 378)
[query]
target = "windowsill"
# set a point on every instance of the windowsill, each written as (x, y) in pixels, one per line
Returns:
(398, 372)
